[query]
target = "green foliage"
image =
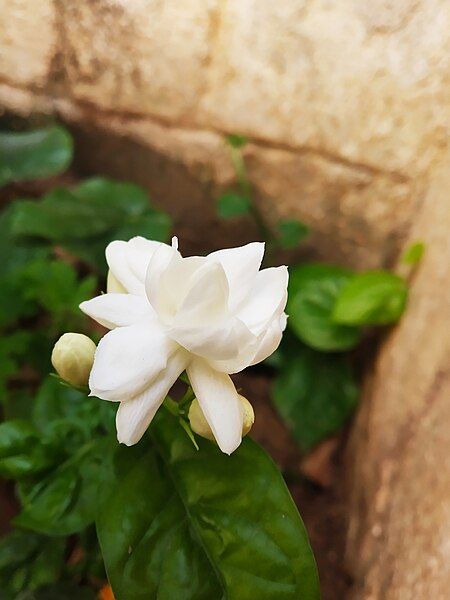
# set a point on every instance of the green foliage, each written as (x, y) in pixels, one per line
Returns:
(185, 524)
(86, 218)
(236, 141)
(313, 290)
(66, 500)
(291, 232)
(413, 254)
(372, 298)
(34, 154)
(315, 393)
(232, 204)
(60, 457)
(27, 562)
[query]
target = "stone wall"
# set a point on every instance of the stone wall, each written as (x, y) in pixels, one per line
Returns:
(346, 104)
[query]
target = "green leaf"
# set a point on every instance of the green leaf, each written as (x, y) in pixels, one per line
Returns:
(55, 402)
(86, 218)
(291, 232)
(236, 141)
(313, 290)
(27, 562)
(34, 154)
(413, 254)
(60, 591)
(232, 204)
(66, 500)
(181, 523)
(21, 451)
(372, 298)
(315, 394)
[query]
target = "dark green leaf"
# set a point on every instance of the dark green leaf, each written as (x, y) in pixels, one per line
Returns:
(34, 154)
(60, 591)
(21, 452)
(86, 218)
(413, 254)
(66, 500)
(232, 204)
(315, 394)
(291, 232)
(372, 298)
(153, 226)
(27, 562)
(313, 290)
(181, 523)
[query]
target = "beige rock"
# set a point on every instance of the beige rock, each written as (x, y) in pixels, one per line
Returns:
(399, 534)
(346, 104)
(27, 41)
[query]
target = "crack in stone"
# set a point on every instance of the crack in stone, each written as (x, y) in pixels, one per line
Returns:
(93, 110)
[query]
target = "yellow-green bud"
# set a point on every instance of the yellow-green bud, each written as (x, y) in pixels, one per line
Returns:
(200, 425)
(113, 285)
(73, 357)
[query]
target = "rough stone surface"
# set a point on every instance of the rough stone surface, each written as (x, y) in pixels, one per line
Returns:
(399, 534)
(346, 104)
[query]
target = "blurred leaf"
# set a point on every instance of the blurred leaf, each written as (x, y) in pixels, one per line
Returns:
(236, 141)
(66, 500)
(22, 453)
(372, 298)
(60, 591)
(315, 393)
(213, 526)
(232, 204)
(27, 562)
(291, 232)
(86, 218)
(313, 290)
(34, 154)
(13, 347)
(55, 402)
(413, 254)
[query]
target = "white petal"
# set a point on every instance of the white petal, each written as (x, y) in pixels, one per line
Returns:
(134, 415)
(128, 261)
(267, 299)
(241, 266)
(117, 310)
(219, 402)
(270, 340)
(159, 262)
(259, 349)
(206, 299)
(216, 342)
(128, 359)
(113, 285)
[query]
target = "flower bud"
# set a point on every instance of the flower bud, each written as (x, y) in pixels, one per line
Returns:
(113, 285)
(200, 425)
(73, 357)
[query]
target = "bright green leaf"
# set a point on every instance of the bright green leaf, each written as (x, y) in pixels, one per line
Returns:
(232, 204)
(413, 254)
(291, 232)
(315, 394)
(313, 290)
(34, 154)
(182, 523)
(372, 298)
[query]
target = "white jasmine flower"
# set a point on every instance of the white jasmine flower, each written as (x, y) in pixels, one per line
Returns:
(211, 316)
